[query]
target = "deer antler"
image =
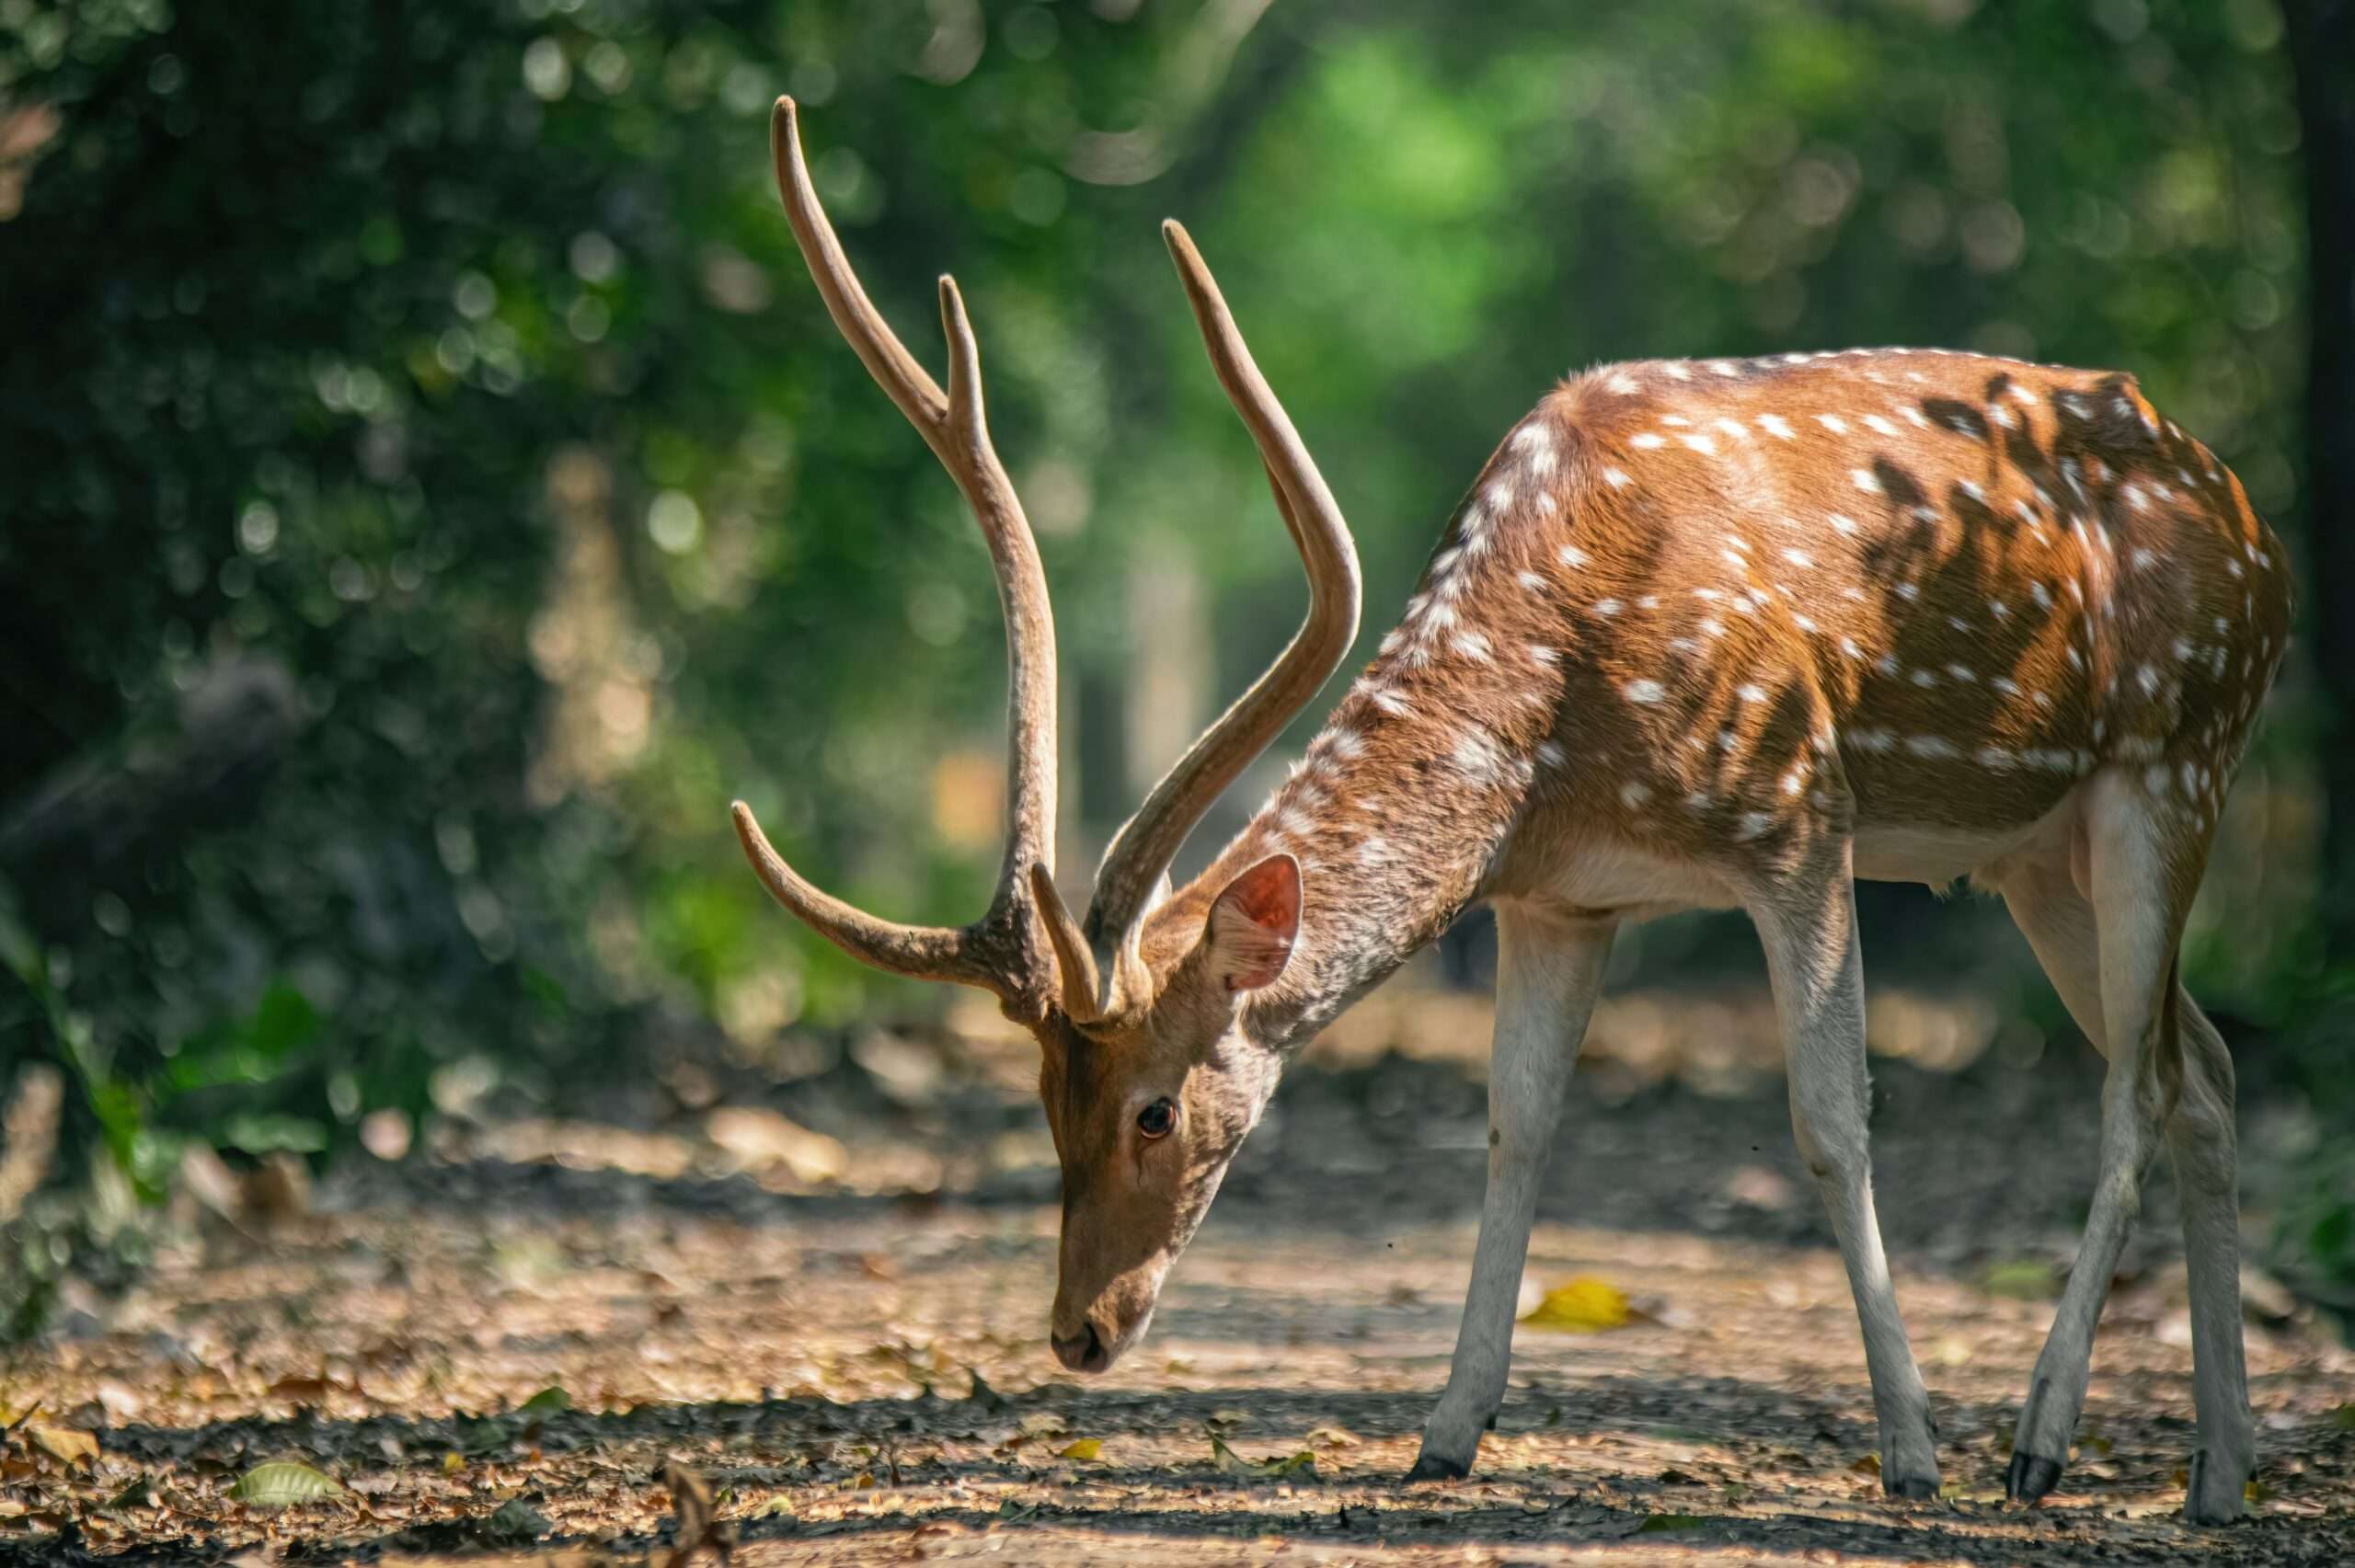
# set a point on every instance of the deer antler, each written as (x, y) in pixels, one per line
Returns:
(1097, 964)
(1140, 852)
(1000, 951)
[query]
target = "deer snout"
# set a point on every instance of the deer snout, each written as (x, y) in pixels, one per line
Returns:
(1082, 1352)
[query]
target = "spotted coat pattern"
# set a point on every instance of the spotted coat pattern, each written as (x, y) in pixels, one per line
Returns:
(1723, 611)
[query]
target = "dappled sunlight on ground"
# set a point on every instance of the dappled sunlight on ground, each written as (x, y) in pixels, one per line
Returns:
(829, 1299)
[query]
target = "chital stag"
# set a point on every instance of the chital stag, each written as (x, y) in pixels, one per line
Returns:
(1726, 632)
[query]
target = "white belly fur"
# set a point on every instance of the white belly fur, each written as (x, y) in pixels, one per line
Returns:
(1635, 883)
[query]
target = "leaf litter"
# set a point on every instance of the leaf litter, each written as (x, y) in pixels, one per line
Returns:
(861, 1377)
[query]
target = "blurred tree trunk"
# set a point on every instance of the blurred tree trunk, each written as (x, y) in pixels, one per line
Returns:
(2322, 54)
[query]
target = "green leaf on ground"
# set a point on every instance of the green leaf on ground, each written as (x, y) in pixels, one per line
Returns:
(1655, 1523)
(285, 1485)
(2023, 1280)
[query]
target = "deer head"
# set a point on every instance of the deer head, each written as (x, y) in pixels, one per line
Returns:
(1151, 1073)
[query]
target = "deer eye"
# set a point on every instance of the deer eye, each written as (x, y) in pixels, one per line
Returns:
(1157, 1119)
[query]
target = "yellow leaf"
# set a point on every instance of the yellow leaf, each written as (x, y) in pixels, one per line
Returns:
(1085, 1448)
(66, 1445)
(1585, 1305)
(453, 1462)
(1233, 1463)
(1869, 1465)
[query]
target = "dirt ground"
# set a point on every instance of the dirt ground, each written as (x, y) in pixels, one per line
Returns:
(827, 1298)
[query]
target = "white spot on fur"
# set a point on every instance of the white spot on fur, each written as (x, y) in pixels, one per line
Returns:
(1475, 755)
(1572, 556)
(1614, 478)
(1645, 692)
(1634, 794)
(1776, 426)
(1865, 481)
(1833, 422)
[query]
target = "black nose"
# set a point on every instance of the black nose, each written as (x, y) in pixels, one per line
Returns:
(1081, 1352)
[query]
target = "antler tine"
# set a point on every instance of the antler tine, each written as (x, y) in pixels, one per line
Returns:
(1144, 849)
(927, 951)
(886, 359)
(1001, 950)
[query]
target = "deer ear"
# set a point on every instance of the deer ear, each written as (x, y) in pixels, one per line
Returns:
(1252, 924)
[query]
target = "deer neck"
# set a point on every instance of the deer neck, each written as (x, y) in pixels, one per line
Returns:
(1389, 856)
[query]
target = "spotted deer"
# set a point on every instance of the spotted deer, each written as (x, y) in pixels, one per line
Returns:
(1713, 634)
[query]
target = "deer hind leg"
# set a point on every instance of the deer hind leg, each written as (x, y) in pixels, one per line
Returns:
(2109, 948)
(1548, 972)
(1808, 924)
(2202, 1144)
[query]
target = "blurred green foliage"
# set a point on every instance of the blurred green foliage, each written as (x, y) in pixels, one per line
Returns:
(430, 487)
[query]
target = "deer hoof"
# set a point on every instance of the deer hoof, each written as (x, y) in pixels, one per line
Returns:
(2032, 1475)
(1431, 1467)
(1918, 1488)
(2213, 1497)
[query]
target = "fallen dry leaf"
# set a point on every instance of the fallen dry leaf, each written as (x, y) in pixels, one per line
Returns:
(1583, 1305)
(66, 1444)
(699, 1529)
(1085, 1448)
(1233, 1463)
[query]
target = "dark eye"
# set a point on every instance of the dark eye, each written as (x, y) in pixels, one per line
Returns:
(1157, 1119)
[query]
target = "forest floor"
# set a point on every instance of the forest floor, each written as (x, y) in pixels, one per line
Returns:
(827, 1299)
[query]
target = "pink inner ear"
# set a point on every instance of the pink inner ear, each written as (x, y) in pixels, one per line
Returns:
(1253, 923)
(1267, 895)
